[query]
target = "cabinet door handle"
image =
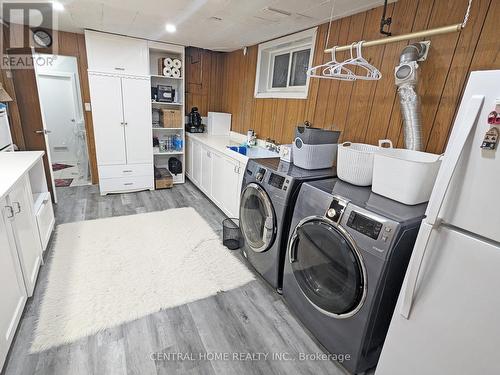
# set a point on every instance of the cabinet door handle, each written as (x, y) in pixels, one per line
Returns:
(127, 171)
(18, 208)
(125, 123)
(128, 183)
(118, 68)
(10, 213)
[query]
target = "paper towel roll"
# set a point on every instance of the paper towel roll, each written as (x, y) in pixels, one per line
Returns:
(176, 73)
(167, 72)
(168, 62)
(176, 63)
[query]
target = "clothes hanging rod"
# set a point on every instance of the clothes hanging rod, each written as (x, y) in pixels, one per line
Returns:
(399, 38)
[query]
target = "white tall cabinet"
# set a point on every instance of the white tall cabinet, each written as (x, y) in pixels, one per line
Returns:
(120, 98)
(122, 73)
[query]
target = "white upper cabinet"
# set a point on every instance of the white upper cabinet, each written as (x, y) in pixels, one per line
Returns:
(137, 120)
(116, 54)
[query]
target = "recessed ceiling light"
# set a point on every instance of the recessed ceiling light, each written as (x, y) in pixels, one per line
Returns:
(170, 28)
(58, 6)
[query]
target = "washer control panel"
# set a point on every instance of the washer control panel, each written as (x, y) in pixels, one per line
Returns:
(278, 181)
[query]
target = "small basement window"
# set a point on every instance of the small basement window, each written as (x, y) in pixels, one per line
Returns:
(282, 65)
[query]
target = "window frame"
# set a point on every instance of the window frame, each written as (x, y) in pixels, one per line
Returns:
(267, 53)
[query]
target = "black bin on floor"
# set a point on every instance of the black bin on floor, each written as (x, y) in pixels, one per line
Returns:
(231, 234)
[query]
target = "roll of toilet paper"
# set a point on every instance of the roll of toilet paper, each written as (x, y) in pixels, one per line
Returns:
(176, 73)
(167, 72)
(176, 63)
(168, 62)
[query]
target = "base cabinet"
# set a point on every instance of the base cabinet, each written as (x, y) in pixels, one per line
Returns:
(226, 184)
(13, 294)
(216, 174)
(207, 170)
(20, 215)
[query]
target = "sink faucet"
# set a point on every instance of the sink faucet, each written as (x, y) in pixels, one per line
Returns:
(271, 145)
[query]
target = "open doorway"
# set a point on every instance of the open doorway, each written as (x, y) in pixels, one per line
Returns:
(64, 125)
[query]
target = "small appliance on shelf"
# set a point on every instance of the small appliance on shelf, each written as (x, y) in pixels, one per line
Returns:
(194, 124)
(165, 94)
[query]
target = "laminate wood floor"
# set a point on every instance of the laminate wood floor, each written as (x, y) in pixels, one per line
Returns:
(229, 333)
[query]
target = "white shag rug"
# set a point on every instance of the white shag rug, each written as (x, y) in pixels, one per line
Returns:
(109, 271)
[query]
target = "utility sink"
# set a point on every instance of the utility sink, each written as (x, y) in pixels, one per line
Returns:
(254, 152)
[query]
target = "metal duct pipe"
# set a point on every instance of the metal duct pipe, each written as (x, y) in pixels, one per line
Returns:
(406, 82)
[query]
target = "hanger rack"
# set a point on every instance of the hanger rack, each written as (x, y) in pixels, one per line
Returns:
(415, 35)
(399, 38)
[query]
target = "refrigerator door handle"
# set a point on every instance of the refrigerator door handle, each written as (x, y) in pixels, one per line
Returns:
(452, 156)
(450, 162)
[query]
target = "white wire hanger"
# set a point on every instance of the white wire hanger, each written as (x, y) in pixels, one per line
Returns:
(371, 73)
(332, 70)
(342, 71)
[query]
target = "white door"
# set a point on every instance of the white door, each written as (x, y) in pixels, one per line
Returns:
(189, 157)
(25, 232)
(107, 115)
(206, 170)
(453, 326)
(12, 291)
(57, 96)
(197, 163)
(138, 121)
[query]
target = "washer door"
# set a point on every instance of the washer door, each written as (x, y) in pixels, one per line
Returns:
(257, 218)
(328, 267)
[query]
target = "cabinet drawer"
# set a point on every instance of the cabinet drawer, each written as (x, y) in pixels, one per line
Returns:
(125, 170)
(122, 184)
(45, 219)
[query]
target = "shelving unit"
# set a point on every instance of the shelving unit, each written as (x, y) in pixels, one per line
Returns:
(156, 52)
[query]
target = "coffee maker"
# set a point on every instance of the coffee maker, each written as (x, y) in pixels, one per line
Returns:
(194, 124)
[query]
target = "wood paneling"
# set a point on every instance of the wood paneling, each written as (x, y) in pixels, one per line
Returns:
(25, 113)
(368, 111)
(204, 70)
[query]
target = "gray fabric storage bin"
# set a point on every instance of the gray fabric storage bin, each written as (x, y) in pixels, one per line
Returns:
(316, 136)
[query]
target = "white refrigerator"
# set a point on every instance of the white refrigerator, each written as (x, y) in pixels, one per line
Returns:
(447, 319)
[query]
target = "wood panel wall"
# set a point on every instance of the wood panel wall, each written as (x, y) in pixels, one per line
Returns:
(204, 72)
(366, 111)
(26, 117)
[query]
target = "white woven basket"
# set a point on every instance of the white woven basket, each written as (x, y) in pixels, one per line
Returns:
(355, 162)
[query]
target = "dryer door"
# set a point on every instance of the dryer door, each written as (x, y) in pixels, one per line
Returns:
(328, 267)
(257, 218)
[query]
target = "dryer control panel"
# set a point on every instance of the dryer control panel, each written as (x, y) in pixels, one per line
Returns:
(370, 231)
(364, 224)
